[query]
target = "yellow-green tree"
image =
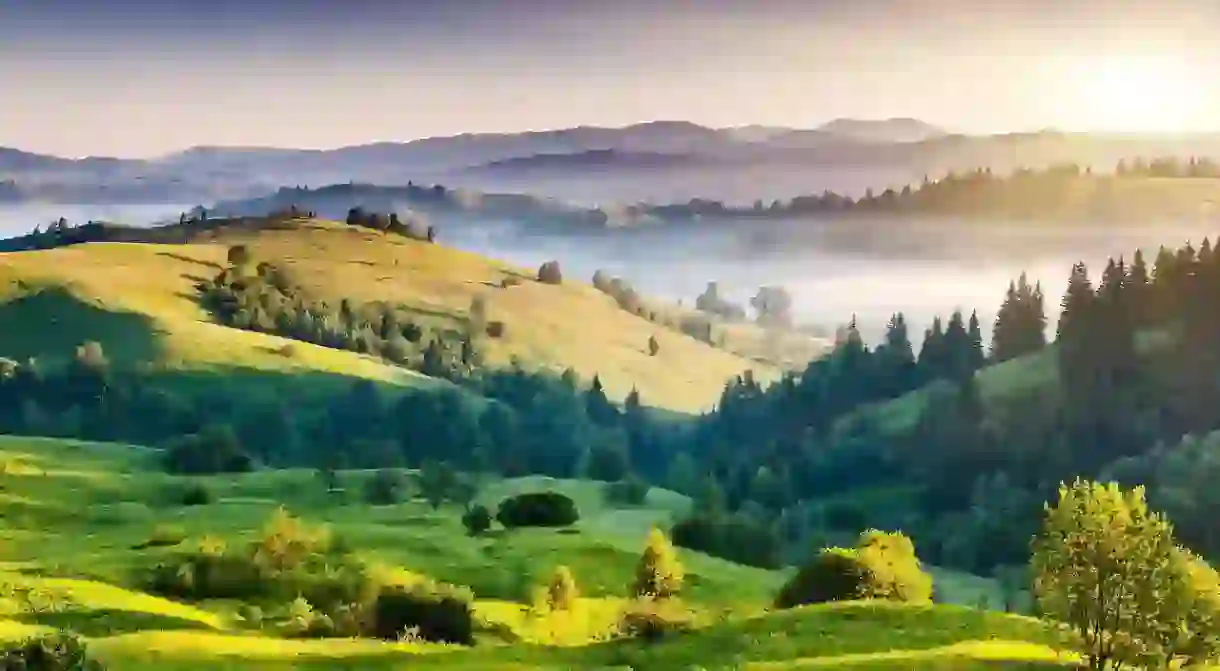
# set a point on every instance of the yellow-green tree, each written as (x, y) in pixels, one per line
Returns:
(1104, 569)
(1192, 595)
(561, 593)
(659, 574)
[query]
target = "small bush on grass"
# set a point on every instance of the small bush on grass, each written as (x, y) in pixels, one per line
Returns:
(54, 652)
(537, 509)
(477, 520)
(882, 566)
(653, 620)
(431, 612)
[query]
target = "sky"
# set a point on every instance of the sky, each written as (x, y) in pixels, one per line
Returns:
(135, 78)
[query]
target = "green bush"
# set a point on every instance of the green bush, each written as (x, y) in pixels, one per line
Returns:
(882, 566)
(438, 613)
(537, 509)
(477, 520)
(196, 494)
(54, 652)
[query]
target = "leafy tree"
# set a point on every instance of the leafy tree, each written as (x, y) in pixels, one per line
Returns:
(561, 593)
(659, 574)
(1102, 569)
(608, 463)
(385, 488)
(238, 256)
(436, 482)
(549, 273)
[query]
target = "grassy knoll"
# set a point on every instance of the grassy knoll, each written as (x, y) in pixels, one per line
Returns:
(138, 301)
(76, 520)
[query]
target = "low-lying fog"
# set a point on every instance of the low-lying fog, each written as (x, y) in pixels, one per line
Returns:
(832, 269)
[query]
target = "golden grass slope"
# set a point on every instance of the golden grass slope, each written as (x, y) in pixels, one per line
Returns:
(138, 300)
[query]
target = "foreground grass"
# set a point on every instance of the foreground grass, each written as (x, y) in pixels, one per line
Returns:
(76, 517)
(138, 301)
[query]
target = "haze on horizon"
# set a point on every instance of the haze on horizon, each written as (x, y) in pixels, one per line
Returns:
(137, 78)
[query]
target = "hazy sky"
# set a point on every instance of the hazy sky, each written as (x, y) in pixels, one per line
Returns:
(144, 77)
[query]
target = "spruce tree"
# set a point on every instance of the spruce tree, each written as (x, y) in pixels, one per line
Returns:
(895, 359)
(957, 348)
(600, 410)
(977, 356)
(931, 353)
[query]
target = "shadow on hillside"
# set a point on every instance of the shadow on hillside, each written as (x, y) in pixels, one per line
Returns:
(187, 259)
(104, 622)
(52, 323)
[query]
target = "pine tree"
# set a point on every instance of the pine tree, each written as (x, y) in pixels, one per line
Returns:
(957, 348)
(1076, 306)
(977, 356)
(600, 410)
(1138, 285)
(932, 353)
(659, 574)
(895, 359)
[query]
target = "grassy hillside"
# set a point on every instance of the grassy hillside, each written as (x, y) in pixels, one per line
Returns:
(75, 519)
(138, 301)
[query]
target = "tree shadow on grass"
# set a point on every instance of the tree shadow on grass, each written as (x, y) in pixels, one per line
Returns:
(52, 322)
(105, 622)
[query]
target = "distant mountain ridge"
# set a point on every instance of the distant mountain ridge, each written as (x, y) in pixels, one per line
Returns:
(659, 161)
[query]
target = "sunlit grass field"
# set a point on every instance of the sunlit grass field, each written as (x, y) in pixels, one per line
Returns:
(76, 517)
(138, 301)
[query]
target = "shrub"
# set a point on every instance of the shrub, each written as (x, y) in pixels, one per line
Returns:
(537, 509)
(509, 282)
(495, 329)
(196, 494)
(549, 273)
(659, 574)
(432, 612)
(652, 621)
(882, 566)
(477, 520)
(654, 347)
(386, 487)
(53, 652)
(630, 491)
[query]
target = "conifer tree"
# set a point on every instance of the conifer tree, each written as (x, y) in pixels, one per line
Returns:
(977, 356)
(659, 574)
(600, 410)
(957, 348)
(931, 353)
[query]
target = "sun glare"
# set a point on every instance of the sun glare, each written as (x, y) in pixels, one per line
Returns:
(1137, 94)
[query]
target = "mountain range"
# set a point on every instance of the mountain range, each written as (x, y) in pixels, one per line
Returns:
(660, 161)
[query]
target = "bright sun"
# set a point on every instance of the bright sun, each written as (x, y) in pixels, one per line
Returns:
(1136, 94)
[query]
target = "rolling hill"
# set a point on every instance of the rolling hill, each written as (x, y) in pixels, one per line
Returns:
(139, 301)
(79, 519)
